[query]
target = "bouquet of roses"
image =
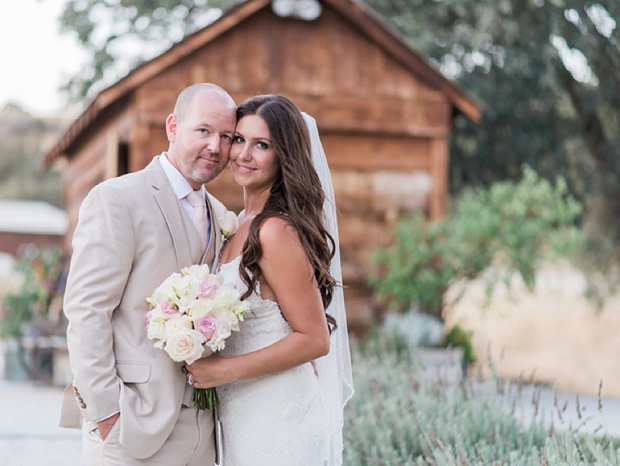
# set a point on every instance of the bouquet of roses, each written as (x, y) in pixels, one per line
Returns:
(191, 314)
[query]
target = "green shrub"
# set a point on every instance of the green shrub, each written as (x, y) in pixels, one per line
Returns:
(39, 269)
(418, 268)
(458, 337)
(512, 226)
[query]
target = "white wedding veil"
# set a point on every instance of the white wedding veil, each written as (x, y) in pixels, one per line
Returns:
(335, 377)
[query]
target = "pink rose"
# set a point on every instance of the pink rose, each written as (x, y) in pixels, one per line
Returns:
(206, 327)
(208, 288)
(167, 308)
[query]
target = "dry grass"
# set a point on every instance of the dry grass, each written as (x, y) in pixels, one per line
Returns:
(553, 333)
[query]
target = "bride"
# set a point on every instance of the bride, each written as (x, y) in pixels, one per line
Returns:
(284, 378)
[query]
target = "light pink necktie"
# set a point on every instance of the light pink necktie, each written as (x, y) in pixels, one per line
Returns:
(197, 200)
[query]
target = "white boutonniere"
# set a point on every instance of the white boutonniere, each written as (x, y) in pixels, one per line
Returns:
(228, 225)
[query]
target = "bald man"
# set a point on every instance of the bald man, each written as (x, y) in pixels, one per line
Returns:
(132, 401)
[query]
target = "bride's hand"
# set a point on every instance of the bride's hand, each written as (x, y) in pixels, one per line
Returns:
(211, 371)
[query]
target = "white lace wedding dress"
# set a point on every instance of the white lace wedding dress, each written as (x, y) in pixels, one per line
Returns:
(273, 420)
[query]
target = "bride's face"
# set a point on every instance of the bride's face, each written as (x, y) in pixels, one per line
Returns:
(253, 160)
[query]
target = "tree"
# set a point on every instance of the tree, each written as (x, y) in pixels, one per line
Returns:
(21, 139)
(547, 72)
(120, 34)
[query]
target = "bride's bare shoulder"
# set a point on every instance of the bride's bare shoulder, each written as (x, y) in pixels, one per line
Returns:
(278, 233)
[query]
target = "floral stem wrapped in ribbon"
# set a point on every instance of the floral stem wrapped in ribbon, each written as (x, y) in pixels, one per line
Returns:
(190, 315)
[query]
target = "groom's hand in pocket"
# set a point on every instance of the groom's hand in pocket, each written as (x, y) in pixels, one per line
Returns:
(104, 427)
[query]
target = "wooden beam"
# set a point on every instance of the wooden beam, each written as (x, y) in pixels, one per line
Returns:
(438, 207)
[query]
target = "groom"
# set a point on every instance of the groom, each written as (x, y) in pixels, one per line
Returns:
(131, 399)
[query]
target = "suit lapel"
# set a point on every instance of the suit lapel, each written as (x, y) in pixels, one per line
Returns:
(187, 247)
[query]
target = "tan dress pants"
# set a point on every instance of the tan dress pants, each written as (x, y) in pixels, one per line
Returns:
(191, 443)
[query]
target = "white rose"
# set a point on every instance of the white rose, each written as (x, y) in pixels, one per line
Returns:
(226, 297)
(200, 271)
(221, 335)
(201, 308)
(177, 324)
(166, 290)
(190, 291)
(157, 329)
(229, 224)
(227, 321)
(156, 312)
(185, 345)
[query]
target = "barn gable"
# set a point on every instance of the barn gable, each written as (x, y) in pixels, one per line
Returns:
(380, 47)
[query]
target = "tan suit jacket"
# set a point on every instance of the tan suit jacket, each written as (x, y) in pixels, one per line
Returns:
(131, 234)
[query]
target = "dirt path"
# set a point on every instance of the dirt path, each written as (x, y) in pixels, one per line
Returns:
(554, 333)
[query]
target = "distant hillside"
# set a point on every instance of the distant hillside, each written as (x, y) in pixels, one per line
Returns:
(23, 139)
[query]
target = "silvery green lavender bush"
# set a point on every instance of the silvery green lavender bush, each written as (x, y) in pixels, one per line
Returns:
(401, 415)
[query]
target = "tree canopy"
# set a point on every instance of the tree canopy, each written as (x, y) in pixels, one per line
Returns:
(547, 72)
(22, 137)
(120, 34)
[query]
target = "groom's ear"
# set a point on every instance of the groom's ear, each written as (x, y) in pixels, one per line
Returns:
(171, 127)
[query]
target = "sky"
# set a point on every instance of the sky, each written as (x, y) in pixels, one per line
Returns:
(35, 59)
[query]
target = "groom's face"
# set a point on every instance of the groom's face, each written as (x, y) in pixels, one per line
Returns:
(200, 137)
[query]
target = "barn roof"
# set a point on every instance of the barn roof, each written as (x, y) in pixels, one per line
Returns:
(357, 13)
(33, 217)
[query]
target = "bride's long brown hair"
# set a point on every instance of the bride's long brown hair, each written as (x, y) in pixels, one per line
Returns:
(296, 195)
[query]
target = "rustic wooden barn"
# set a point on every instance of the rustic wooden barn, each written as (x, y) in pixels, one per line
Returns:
(384, 115)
